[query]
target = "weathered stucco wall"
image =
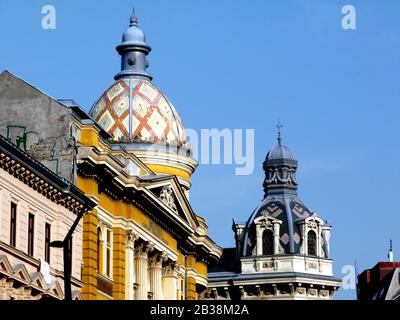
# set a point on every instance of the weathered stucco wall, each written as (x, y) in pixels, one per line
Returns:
(36, 123)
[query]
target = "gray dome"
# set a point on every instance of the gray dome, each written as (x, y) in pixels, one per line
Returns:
(288, 209)
(134, 35)
(280, 152)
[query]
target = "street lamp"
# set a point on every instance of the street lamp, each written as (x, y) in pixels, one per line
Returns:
(65, 245)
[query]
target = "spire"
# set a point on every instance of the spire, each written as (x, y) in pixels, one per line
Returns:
(390, 254)
(280, 168)
(134, 51)
(279, 126)
(134, 19)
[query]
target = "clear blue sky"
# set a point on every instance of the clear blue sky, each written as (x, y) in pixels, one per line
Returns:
(245, 64)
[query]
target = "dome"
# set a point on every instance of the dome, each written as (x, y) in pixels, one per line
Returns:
(134, 35)
(134, 110)
(289, 210)
(280, 152)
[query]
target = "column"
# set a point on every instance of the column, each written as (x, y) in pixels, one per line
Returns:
(141, 254)
(326, 234)
(130, 267)
(303, 230)
(276, 237)
(318, 232)
(170, 280)
(259, 240)
(155, 265)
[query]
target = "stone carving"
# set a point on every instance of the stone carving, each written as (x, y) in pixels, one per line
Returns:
(313, 292)
(269, 264)
(266, 223)
(324, 293)
(171, 269)
(256, 265)
(313, 224)
(131, 236)
(277, 177)
(167, 196)
(301, 290)
(143, 249)
(157, 259)
(312, 265)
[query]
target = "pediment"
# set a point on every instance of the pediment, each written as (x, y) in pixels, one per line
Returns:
(20, 272)
(5, 265)
(57, 290)
(170, 195)
(313, 217)
(76, 295)
(38, 281)
(265, 218)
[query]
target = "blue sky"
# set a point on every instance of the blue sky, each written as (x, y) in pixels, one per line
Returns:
(246, 64)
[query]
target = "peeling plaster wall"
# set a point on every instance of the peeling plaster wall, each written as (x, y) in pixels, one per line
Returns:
(40, 123)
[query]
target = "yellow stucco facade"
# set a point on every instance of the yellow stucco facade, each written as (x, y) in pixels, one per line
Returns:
(135, 248)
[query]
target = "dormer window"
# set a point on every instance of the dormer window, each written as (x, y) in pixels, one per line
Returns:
(267, 243)
(312, 243)
(315, 236)
(267, 235)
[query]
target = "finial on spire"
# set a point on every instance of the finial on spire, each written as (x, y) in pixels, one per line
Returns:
(279, 126)
(134, 19)
(133, 51)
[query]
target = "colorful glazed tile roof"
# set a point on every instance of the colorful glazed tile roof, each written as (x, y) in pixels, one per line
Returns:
(134, 110)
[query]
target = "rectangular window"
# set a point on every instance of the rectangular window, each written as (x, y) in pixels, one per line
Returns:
(47, 241)
(31, 227)
(108, 254)
(13, 225)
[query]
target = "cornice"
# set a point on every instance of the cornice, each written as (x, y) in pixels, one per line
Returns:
(38, 177)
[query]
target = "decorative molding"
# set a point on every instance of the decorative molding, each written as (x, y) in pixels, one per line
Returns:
(171, 269)
(157, 259)
(276, 178)
(167, 197)
(142, 249)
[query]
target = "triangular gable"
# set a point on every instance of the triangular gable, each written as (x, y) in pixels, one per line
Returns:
(38, 281)
(21, 273)
(183, 208)
(5, 266)
(313, 216)
(76, 295)
(57, 290)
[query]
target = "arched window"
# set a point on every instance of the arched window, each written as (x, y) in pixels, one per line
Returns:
(99, 250)
(267, 243)
(312, 243)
